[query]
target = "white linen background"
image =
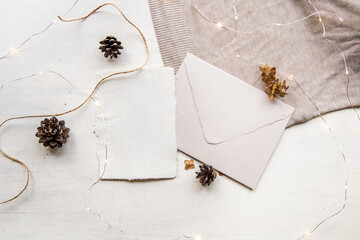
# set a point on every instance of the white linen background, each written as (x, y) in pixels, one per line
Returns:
(302, 185)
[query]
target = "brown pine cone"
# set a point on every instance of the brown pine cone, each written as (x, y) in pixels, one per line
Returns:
(52, 133)
(110, 46)
(273, 85)
(206, 175)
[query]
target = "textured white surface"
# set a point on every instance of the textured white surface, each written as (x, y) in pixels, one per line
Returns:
(136, 122)
(302, 185)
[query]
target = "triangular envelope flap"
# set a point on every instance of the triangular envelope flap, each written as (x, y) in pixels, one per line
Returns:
(228, 107)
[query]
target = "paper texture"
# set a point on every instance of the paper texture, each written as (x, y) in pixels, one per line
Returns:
(135, 123)
(224, 122)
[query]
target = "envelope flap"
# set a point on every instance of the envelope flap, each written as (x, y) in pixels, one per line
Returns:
(227, 107)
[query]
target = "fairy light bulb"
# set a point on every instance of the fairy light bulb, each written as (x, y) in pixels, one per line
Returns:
(97, 103)
(41, 73)
(347, 72)
(13, 50)
(55, 21)
(197, 237)
(320, 20)
(341, 20)
(219, 24)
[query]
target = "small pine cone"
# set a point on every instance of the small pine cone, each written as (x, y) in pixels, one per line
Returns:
(52, 133)
(110, 46)
(206, 175)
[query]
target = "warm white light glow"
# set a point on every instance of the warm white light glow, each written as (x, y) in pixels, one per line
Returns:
(279, 24)
(320, 20)
(347, 72)
(41, 73)
(197, 237)
(55, 21)
(219, 24)
(236, 18)
(13, 50)
(341, 19)
(97, 103)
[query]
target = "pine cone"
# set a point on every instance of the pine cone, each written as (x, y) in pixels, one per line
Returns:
(273, 85)
(52, 133)
(206, 175)
(110, 45)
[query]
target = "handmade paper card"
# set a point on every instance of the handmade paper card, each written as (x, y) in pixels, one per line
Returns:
(225, 122)
(135, 125)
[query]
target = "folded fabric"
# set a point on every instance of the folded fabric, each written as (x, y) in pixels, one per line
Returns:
(225, 122)
(135, 125)
(297, 48)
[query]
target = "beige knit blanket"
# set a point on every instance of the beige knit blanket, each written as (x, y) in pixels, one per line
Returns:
(286, 34)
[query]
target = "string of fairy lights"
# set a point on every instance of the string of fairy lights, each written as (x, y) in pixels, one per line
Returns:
(38, 74)
(306, 234)
(102, 141)
(291, 77)
(14, 50)
(318, 13)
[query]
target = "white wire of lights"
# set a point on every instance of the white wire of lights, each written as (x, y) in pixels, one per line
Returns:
(291, 77)
(96, 182)
(221, 25)
(42, 73)
(97, 103)
(102, 141)
(317, 12)
(342, 54)
(13, 50)
(37, 74)
(87, 207)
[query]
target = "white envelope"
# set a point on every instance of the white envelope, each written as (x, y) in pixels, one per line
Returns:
(225, 122)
